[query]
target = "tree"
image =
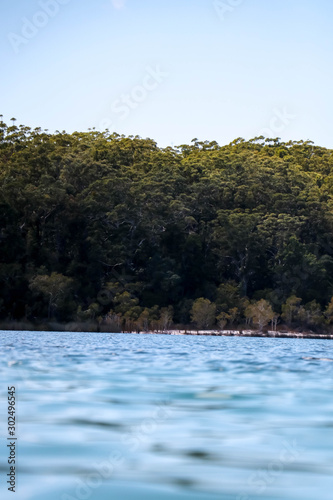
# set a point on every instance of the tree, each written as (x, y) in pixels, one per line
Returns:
(311, 315)
(56, 288)
(203, 313)
(166, 318)
(143, 321)
(290, 310)
(329, 312)
(137, 226)
(90, 314)
(260, 313)
(222, 319)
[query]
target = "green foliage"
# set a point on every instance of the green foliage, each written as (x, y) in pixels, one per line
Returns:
(291, 309)
(96, 224)
(54, 288)
(203, 313)
(260, 313)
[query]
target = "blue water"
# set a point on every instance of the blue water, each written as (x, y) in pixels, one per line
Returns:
(145, 417)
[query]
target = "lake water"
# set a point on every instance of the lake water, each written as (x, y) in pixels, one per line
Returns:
(146, 417)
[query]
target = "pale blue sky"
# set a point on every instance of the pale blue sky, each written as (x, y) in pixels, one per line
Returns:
(228, 69)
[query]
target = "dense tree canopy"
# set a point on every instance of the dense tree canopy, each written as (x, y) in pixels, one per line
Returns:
(96, 224)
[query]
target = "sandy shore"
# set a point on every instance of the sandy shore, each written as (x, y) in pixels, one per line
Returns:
(243, 333)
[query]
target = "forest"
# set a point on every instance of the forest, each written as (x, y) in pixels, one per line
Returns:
(99, 227)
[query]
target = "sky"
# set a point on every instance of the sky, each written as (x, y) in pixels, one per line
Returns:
(170, 70)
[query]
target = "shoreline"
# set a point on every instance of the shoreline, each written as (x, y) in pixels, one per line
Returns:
(242, 333)
(95, 328)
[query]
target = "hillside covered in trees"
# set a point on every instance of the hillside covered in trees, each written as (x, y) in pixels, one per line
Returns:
(97, 226)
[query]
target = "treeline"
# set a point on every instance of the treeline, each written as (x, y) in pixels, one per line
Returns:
(101, 227)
